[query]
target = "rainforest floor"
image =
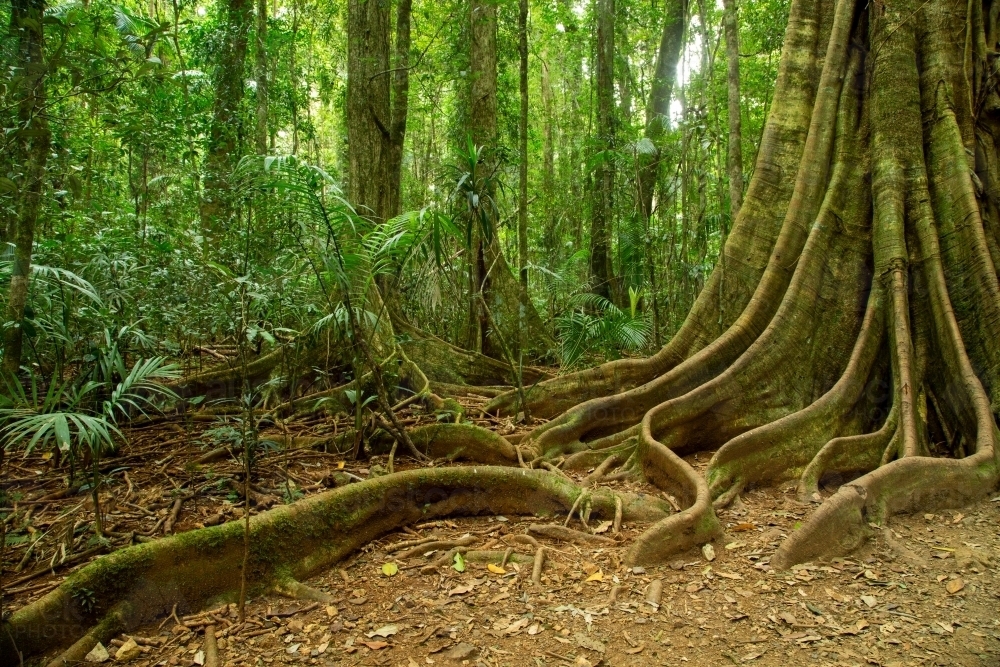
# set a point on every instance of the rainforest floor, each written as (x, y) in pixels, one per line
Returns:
(924, 592)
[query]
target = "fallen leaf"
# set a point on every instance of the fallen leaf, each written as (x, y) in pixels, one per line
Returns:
(602, 527)
(389, 569)
(375, 646)
(516, 626)
(708, 551)
(729, 575)
(98, 654)
(947, 627)
(597, 576)
(869, 600)
(384, 631)
(462, 590)
(954, 586)
(589, 643)
(496, 569)
(294, 648)
(127, 651)
(331, 611)
(462, 651)
(340, 465)
(199, 658)
(735, 545)
(322, 647)
(459, 564)
(743, 527)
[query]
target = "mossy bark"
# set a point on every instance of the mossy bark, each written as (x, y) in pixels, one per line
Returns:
(853, 323)
(199, 568)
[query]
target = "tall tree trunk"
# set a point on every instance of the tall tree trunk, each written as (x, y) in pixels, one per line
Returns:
(658, 107)
(260, 76)
(483, 130)
(224, 134)
(601, 216)
(400, 104)
(548, 160)
(27, 17)
(522, 198)
(734, 161)
(368, 110)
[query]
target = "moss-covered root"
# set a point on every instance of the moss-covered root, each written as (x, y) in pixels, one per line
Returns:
(110, 626)
(842, 523)
(845, 454)
(289, 543)
(697, 524)
(465, 442)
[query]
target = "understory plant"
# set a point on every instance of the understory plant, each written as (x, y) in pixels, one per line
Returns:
(596, 325)
(80, 421)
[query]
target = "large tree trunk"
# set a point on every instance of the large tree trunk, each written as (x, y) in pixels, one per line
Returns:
(734, 155)
(224, 135)
(855, 327)
(368, 107)
(32, 146)
(601, 275)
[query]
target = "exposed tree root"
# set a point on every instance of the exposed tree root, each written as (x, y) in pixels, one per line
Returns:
(201, 567)
(565, 534)
(851, 326)
(841, 524)
(853, 322)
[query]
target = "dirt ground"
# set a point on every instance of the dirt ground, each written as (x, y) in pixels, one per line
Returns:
(924, 592)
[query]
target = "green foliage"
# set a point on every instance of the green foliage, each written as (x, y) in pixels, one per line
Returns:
(124, 268)
(597, 325)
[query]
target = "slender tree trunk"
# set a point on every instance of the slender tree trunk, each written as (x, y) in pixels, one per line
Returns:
(368, 110)
(260, 75)
(400, 104)
(734, 161)
(658, 107)
(548, 161)
(522, 199)
(33, 145)
(293, 70)
(601, 216)
(224, 135)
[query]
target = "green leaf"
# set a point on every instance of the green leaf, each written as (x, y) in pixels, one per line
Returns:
(389, 569)
(62, 431)
(459, 565)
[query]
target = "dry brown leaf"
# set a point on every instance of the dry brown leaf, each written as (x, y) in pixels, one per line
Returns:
(954, 586)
